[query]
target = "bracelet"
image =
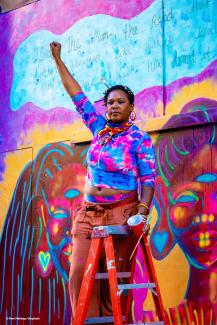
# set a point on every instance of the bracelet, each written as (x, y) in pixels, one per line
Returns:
(144, 205)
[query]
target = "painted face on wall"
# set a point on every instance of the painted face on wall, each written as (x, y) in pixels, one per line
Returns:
(64, 191)
(193, 210)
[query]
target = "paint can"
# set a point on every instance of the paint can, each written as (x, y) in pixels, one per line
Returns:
(136, 224)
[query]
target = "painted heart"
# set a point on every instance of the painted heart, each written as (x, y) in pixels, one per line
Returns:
(160, 240)
(44, 259)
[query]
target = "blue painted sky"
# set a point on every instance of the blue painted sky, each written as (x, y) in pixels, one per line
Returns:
(120, 51)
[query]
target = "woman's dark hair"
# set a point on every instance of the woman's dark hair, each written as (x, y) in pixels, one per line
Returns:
(127, 91)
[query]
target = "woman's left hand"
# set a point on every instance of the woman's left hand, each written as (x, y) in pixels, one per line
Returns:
(146, 227)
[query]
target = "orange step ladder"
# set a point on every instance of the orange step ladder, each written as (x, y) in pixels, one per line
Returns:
(104, 234)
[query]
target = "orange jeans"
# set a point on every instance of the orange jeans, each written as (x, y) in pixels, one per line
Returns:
(87, 216)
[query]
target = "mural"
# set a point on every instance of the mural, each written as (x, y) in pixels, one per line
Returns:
(36, 239)
(186, 203)
(154, 47)
(166, 52)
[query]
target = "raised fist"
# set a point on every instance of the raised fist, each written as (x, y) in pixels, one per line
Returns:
(55, 48)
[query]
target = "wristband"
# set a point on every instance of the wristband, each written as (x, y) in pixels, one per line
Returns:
(144, 205)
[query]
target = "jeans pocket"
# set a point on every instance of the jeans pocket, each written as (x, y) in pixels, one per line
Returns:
(78, 219)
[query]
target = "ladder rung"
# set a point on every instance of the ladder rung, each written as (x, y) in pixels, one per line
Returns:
(110, 319)
(105, 231)
(102, 235)
(120, 275)
(136, 286)
(101, 320)
(149, 323)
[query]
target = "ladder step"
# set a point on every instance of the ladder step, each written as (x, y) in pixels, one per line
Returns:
(110, 319)
(136, 286)
(149, 323)
(120, 275)
(102, 239)
(105, 231)
(101, 320)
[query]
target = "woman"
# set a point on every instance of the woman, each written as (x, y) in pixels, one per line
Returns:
(119, 155)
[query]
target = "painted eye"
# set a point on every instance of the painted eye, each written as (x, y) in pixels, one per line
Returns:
(59, 214)
(71, 193)
(207, 178)
(187, 198)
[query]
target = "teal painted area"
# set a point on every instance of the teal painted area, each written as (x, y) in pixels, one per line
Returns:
(72, 193)
(95, 47)
(160, 240)
(190, 198)
(119, 51)
(207, 178)
(191, 27)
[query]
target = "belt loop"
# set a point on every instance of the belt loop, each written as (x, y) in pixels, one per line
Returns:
(100, 208)
(90, 208)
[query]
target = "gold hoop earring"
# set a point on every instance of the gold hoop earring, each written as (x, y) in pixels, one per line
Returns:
(106, 116)
(133, 115)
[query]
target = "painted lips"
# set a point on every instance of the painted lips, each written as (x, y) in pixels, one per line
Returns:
(204, 240)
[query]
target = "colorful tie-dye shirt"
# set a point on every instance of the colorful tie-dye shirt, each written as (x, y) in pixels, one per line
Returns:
(125, 158)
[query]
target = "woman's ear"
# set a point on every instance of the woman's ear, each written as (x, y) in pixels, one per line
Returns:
(162, 240)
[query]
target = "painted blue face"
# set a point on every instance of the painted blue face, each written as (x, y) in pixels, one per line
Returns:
(64, 192)
(193, 207)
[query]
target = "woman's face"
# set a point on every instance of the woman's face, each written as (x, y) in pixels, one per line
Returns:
(193, 212)
(118, 106)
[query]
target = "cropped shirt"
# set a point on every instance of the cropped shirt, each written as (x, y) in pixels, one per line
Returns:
(119, 163)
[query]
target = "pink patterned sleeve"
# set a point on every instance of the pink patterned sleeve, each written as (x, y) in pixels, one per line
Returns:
(146, 161)
(87, 111)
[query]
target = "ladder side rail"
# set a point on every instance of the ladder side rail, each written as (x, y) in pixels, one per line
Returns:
(153, 278)
(88, 280)
(130, 292)
(113, 284)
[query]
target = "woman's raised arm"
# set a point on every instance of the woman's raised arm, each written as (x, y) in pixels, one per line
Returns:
(70, 84)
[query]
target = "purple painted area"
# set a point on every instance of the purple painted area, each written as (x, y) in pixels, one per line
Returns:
(146, 101)
(209, 72)
(140, 276)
